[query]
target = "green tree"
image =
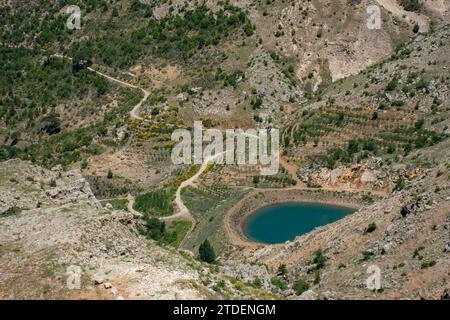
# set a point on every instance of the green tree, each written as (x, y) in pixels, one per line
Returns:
(206, 252)
(110, 174)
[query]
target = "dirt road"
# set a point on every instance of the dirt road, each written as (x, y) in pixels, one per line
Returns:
(134, 113)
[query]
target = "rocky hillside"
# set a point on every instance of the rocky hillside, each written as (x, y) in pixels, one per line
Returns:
(360, 110)
(398, 104)
(377, 118)
(406, 235)
(50, 224)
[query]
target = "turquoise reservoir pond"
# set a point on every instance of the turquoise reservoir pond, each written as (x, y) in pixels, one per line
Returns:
(282, 222)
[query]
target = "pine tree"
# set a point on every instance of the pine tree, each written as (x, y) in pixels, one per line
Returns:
(206, 252)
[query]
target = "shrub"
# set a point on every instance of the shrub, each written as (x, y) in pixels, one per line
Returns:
(371, 227)
(366, 255)
(110, 174)
(319, 259)
(51, 124)
(248, 29)
(155, 111)
(419, 124)
(416, 253)
(300, 286)
(411, 5)
(375, 116)
(422, 84)
(392, 85)
(367, 198)
(317, 277)
(400, 184)
(370, 145)
(279, 283)
(427, 264)
(257, 103)
(84, 164)
(282, 269)
(391, 148)
(353, 146)
(257, 283)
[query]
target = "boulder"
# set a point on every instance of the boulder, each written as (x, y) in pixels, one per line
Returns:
(108, 206)
(98, 279)
(308, 295)
(447, 247)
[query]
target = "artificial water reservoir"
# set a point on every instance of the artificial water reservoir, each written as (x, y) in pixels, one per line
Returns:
(282, 222)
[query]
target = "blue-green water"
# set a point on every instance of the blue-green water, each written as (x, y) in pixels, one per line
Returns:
(283, 222)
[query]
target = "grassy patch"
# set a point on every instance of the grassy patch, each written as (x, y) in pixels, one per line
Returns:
(176, 232)
(208, 206)
(13, 211)
(156, 203)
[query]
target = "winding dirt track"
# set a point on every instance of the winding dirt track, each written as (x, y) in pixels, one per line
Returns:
(183, 212)
(134, 113)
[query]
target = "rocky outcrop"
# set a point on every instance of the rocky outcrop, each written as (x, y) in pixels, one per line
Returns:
(29, 186)
(248, 273)
(62, 232)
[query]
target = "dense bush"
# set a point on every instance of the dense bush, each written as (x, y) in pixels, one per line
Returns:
(300, 286)
(411, 5)
(51, 123)
(279, 283)
(371, 227)
(155, 227)
(176, 36)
